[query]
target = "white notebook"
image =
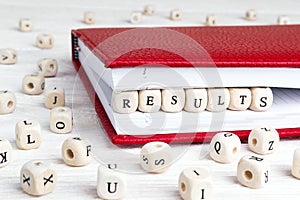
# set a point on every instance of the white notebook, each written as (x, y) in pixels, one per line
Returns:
(285, 111)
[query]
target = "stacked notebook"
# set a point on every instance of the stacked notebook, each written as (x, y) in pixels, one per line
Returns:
(118, 60)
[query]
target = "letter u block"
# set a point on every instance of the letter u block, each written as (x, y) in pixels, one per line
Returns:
(125, 102)
(195, 100)
(110, 184)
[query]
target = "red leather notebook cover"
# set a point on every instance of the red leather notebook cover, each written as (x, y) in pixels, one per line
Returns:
(231, 46)
(237, 51)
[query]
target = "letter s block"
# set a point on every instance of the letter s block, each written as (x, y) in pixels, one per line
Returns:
(262, 99)
(156, 157)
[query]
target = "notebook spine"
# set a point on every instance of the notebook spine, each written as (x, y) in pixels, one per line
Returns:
(75, 47)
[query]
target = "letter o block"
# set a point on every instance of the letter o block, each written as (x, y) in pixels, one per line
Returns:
(156, 157)
(125, 102)
(61, 120)
(262, 99)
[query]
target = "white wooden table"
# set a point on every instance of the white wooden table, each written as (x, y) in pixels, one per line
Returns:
(59, 17)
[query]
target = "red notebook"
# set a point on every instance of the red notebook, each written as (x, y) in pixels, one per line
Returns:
(237, 47)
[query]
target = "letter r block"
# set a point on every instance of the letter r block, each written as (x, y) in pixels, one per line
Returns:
(125, 102)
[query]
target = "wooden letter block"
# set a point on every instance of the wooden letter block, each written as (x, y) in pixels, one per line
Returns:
(211, 20)
(76, 152)
(25, 25)
(262, 99)
(240, 98)
(38, 177)
(250, 15)
(283, 20)
(48, 67)
(218, 99)
(296, 164)
(149, 10)
(253, 171)
(5, 152)
(110, 184)
(195, 100)
(149, 100)
(175, 15)
(8, 56)
(7, 102)
(156, 157)
(224, 147)
(55, 98)
(61, 120)
(173, 100)
(125, 102)
(195, 184)
(28, 134)
(136, 17)
(45, 41)
(89, 18)
(33, 84)
(263, 140)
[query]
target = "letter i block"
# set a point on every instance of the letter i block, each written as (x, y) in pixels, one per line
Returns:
(28, 134)
(110, 184)
(149, 100)
(195, 184)
(262, 99)
(125, 102)
(5, 152)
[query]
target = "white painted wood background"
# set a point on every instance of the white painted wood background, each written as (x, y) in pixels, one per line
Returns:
(59, 17)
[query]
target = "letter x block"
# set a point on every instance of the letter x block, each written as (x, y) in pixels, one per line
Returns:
(38, 177)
